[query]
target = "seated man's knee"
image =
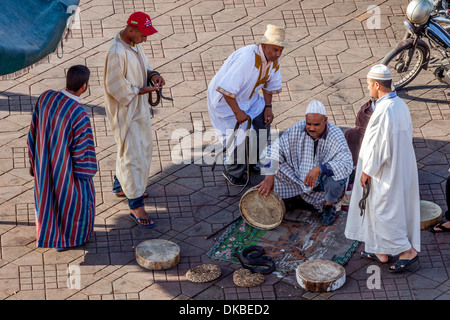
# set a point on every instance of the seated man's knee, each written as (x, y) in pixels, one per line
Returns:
(334, 189)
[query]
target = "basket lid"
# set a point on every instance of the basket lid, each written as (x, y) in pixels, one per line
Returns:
(260, 212)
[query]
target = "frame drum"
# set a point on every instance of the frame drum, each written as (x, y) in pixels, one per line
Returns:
(158, 254)
(320, 275)
(262, 213)
(430, 214)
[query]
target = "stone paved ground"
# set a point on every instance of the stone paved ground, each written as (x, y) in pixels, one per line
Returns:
(332, 49)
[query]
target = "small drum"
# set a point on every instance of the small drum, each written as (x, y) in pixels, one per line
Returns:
(158, 254)
(320, 275)
(262, 213)
(430, 214)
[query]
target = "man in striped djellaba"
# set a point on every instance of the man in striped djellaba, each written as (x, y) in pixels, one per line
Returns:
(63, 162)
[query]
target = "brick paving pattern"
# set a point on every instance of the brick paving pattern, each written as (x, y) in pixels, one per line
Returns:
(332, 50)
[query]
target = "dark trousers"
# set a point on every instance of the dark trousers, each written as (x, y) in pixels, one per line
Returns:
(132, 203)
(237, 167)
(333, 189)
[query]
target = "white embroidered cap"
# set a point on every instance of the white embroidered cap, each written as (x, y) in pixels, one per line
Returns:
(379, 72)
(316, 107)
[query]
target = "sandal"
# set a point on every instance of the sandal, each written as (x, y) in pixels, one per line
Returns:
(440, 226)
(137, 220)
(401, 264)
(373, 256)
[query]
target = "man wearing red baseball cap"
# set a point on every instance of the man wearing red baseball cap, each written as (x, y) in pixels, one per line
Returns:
(127, 70)
(142, 22)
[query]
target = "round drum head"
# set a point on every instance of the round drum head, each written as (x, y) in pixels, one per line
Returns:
(158, 254)
(320, 275)
(262, 213)
(430, 214)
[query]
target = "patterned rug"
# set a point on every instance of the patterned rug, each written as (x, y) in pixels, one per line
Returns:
(300, 237)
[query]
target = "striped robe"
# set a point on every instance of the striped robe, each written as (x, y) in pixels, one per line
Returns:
(62, 155)
(129, 114)
(293, 154)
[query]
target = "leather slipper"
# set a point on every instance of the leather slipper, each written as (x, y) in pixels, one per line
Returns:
(373, 256)
(401, 264)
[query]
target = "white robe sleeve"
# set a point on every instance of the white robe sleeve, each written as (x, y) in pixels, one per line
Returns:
(237, 75)
(377, 145)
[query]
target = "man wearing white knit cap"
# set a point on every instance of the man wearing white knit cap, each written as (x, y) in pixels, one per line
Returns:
(390, 223)
(309, 163)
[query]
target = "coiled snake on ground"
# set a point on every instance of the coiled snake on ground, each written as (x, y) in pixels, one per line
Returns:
(254, 256)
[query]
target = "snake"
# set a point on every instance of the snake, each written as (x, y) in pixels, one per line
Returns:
(159, 93)
(254, 256)
(362, 202)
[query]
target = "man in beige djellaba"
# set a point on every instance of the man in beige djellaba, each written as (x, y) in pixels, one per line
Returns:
(127, 108)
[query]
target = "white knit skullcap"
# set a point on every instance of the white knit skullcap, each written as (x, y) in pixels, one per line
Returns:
(379, 72)
(316, 107)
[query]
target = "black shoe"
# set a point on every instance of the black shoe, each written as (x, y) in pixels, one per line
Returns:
(328, 215)
(234, 181)
(298, 203)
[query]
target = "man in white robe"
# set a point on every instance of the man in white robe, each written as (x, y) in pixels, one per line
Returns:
(311, 161)
(390, 223)
(233, 96)
(127, 109)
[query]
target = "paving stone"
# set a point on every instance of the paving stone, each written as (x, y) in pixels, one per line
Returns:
(331, 51)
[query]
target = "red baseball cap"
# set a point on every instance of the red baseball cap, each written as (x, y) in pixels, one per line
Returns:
(142, 22)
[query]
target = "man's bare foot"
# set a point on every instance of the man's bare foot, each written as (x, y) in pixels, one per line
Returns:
(441, 227)
(383, 258)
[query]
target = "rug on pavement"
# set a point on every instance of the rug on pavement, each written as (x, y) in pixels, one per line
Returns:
(300, 237)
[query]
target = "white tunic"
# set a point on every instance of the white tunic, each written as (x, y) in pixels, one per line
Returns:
(391, 224)
(242, 75)
(129, 114)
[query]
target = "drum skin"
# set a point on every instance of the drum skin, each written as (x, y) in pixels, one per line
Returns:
(320, 275)
(158, 254)
(260, 212)
(430, 214)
